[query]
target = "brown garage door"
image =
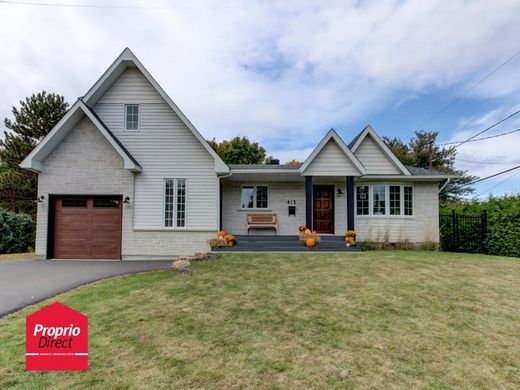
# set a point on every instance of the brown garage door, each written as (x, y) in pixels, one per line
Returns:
(87, 228)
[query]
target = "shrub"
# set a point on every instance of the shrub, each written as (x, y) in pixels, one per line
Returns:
(503, 235)
(17, 232)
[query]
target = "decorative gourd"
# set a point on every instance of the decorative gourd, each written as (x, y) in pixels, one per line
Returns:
(310, 242)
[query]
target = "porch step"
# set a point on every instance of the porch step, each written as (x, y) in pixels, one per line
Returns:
(286, 244)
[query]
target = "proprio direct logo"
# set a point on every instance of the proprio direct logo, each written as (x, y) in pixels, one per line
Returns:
(56, 338)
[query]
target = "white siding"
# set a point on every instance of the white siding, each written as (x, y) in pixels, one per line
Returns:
(234, 219)
(165, 148)
(373, 158)
(331, 161)
(85, 163)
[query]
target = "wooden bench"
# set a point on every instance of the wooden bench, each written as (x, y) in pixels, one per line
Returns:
(262, 221)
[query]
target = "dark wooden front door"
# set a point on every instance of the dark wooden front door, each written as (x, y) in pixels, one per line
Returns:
(323, 209)
(87, 227)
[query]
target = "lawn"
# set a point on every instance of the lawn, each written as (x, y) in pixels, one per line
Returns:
(369, 320)
(17, 256)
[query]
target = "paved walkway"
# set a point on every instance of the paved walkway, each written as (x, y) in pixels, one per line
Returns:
(26, 282)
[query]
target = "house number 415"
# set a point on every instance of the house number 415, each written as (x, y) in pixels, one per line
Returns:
(291, 201)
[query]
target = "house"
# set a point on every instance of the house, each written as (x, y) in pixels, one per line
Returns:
(125, 175)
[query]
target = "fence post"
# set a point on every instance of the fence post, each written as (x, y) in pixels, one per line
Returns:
(483, 228)
(454, 245)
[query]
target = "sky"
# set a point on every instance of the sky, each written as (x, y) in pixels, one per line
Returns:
(284, 72)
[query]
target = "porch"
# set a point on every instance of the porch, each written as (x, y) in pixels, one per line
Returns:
(286, 244)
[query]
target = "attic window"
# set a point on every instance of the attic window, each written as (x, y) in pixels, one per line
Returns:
(132, 116)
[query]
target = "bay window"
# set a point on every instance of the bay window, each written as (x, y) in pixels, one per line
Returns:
(381, 200)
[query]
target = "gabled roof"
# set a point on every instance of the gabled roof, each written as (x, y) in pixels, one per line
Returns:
(369, 131)
(34, 161)
(127, 59)
(332, 135)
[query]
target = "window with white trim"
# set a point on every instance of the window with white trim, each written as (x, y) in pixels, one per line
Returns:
(362, 200)
(132, 116)
(255, 197)
(175, 203)
(395, 200)
(379, 200)
(408, 200)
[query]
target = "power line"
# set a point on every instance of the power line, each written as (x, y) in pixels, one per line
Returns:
(494, 175)
(482, 138)
(467, 91)
(502, 182)
(489, 162)
(488, 128)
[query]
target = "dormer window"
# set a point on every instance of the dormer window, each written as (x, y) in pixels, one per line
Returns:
(132, 116)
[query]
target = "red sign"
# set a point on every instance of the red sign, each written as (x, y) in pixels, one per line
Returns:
(56, 338)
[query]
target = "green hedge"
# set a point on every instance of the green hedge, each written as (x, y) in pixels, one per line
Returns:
(17, 232)
(503, 222)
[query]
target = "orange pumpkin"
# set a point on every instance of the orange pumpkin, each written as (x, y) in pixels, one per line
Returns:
(310, 242)
(222, 233)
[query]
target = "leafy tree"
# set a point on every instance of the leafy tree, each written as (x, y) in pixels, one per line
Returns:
(239, 150)
(35, 117)
(422, 151)
(295, 163)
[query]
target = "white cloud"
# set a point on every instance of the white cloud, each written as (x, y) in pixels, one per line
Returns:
(281, 72)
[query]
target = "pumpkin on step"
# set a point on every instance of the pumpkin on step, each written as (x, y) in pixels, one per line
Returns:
(222, 234)
(310, 242)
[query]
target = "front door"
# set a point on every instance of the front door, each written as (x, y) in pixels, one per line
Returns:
(323, 209)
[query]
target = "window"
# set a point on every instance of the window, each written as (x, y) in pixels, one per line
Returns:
(379, 204)
(408, 200)
(132, 117)
(395, 200)
(73, 203)
(175, 203)
(255, 197)
(106, 203)
(362, 207)
(181, 203)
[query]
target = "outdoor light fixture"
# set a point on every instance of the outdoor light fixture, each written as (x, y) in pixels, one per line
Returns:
(340, 192)
(41, 199)
(127, 200)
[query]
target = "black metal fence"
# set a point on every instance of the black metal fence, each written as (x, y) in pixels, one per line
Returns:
(463, 233)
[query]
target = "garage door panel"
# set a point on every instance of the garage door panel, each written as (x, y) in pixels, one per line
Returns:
(83, 230)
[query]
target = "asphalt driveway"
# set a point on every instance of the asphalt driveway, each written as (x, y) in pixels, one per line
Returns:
(26, 282)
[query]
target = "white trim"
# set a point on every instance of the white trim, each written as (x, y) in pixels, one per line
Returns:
(117, 68)
(35, 159)
(387, 201)
(368, 130)
(174, 205)
(138, 117)
(256, 170)
(254, 197)
(343, 147)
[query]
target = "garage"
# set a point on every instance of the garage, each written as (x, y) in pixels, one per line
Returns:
(86, 227)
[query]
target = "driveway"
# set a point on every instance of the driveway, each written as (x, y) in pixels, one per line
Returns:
(26, 282)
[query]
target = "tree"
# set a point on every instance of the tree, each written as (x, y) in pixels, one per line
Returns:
(239, 150)
(422, 151)
(33, 120)
(295, 163)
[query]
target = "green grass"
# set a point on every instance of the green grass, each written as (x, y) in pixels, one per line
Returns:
(17, 256)
(371, 320)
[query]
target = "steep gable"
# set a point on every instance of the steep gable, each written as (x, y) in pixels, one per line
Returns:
(332, 158)
(131, 87)
(375, 156)
(373, 159)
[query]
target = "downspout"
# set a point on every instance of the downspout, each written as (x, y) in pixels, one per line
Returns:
(445, 184)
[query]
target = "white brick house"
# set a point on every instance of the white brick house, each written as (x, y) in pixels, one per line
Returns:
(126, 175)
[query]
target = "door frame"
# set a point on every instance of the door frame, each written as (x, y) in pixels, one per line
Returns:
(333, 188)
(51, 219)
